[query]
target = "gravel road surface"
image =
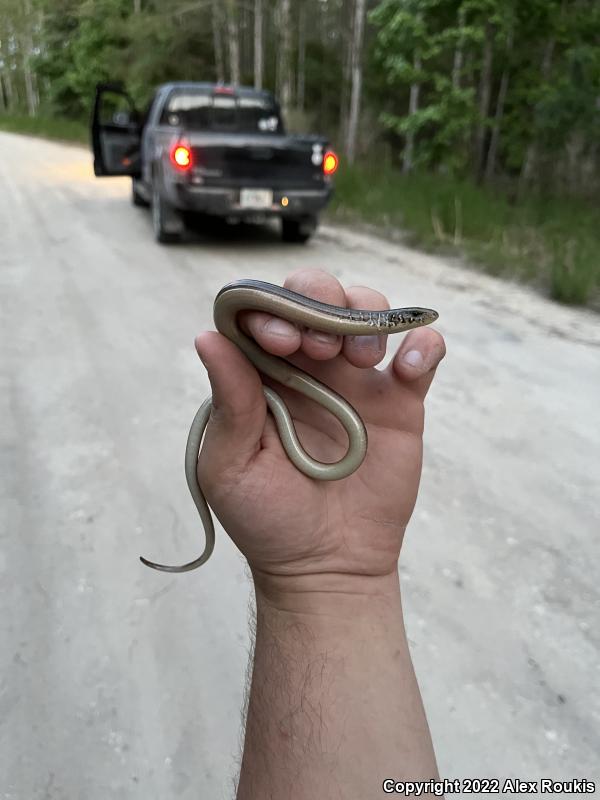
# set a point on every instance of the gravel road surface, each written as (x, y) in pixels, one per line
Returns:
(119, 682)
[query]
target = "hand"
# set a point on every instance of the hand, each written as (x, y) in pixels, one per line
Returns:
(288, 525)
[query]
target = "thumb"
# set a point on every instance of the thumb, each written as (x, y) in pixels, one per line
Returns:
(239, 409)
(417, 359)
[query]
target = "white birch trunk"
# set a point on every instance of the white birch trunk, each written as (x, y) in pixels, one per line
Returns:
(490, 164)
(413, 107)
(233, 33)
(218, 42)
(355, 93)
(284, 77)
(26, 44)
(459, 51)
(348, 32)
(531, 154)
(301, 78)
(258, 44)
(485, 89)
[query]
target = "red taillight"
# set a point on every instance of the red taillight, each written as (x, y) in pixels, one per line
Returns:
(181, 156)
(330, 162)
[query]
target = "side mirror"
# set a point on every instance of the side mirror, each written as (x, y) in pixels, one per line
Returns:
(116, 109)
(121, 118)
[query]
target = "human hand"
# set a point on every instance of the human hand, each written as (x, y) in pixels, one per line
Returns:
(287, 525)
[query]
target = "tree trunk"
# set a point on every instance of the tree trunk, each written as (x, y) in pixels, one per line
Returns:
(301, 82)
(30, 93)
(26, 47)
(490, 165)
(233, 33)
(355, 93)
(531, 154)
(5, 82)
(413, 107)
(11, 45)
(485, 89)
(284, 77)
(248, 60)
(137, 6)
(218, 42)
(347, 26)
(258, 44)
(10, 92)
(459, 51)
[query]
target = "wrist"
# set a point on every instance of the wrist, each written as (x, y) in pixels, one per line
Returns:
(336, 595)
(332, 687)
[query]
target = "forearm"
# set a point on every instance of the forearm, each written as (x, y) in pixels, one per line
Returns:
(334, 705)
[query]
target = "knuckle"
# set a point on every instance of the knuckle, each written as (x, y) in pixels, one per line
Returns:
(317, 284)
(365, 297)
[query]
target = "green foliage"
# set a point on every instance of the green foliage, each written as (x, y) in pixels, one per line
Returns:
(575, 270)
(165, 47)
(414, 43)
(546, 50)
(66, 130)
(99, 40)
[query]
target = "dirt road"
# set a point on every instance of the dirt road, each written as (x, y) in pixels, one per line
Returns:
(119, 682)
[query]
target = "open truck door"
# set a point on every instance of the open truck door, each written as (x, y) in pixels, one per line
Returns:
(116, 132)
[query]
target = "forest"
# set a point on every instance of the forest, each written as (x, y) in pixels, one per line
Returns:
(464, 123)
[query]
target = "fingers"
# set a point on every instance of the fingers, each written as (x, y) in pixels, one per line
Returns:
(238, 406)
(283, 338)
(365, 351)
(417, 359)
(273, 334)
(414, 364)
(319, 285)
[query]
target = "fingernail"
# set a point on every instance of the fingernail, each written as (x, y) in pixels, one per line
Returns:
(413, 358)
(374, 343)
(279, 327)
(322, 337)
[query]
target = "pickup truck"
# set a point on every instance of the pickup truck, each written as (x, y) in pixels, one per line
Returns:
(212, 149)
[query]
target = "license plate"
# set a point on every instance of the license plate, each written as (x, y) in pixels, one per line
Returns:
(256, 198)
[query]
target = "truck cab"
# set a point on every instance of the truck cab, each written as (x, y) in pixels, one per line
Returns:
(206, 148)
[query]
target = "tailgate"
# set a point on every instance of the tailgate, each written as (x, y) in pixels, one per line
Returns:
(278, 162)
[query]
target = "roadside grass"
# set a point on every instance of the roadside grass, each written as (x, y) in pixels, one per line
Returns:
(48, 127)
(549, 242)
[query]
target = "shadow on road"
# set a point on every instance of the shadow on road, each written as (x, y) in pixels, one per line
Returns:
(215, 231)
(116, 218)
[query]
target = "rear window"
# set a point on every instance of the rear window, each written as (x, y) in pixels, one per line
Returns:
(200, 111)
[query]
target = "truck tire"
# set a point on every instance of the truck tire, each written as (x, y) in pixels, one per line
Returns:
(136, 197)
(167, 222)
(298, 230)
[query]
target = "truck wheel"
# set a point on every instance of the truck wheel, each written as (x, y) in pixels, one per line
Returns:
(298, 230)
(136, 197)
(166, 221)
